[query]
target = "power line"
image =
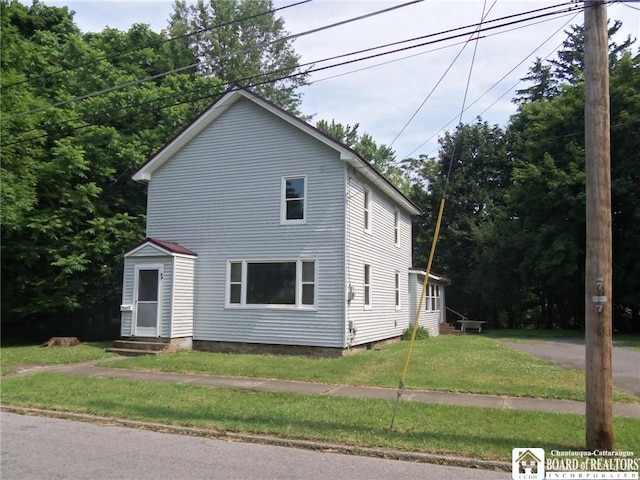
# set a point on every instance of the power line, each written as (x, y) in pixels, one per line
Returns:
(439, 80)
(497, 83)
(286, 76)
(325, 60)
(187, 67)
(153, 44)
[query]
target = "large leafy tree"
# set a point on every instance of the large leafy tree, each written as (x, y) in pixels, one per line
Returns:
(70, 209)
(471, 173)
(241, 42)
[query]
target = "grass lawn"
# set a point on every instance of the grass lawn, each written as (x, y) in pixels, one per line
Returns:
(477, 432)
(625, 340)
(12, 355)
(460, 363)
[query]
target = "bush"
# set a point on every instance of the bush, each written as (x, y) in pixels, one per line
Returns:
(421, 333)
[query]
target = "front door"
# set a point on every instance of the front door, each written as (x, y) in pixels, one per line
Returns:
(147, 296)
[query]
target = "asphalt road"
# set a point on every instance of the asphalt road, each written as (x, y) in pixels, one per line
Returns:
(46, 448)
(571, 353)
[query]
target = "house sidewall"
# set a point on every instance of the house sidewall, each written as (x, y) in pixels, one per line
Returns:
(220, 196)
(376, 247)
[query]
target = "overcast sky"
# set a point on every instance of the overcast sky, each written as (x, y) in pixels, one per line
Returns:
(384, 96)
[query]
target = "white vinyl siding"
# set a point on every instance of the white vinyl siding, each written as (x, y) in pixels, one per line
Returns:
(383, 319)
(221, 196)
(182, 314)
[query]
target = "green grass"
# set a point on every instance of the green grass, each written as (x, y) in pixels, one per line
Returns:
(465, 364)
(13, 355)
(628, 341)
(534, 334)
(625, 340)
(477, 432)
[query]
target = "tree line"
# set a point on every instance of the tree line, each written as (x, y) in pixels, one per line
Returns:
(513, 235)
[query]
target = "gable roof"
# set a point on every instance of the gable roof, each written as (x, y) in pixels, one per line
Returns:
(163, 247)
(226, 100)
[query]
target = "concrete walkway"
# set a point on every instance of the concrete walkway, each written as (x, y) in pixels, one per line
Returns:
(89, 369)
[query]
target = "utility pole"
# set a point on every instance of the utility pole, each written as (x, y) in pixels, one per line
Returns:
(599, 384)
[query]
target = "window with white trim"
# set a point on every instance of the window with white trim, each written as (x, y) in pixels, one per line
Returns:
(397, 290)
(433, 297)
(293, 207)
(279, 283)
(367, 210)
(367, 286)
(396, 227)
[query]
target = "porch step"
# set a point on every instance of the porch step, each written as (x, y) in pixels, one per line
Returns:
(448, 329)
(134, 347)
(130, 352)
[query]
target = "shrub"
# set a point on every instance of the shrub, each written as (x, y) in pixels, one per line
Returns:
(421, 333)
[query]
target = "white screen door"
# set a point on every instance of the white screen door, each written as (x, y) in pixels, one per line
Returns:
(147, 302)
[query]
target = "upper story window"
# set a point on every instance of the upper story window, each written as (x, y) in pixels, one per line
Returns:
(367, 210)
(396, 227)
(293, 207)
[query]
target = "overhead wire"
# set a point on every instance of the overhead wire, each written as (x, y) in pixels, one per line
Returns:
(293, 75)
(496, 84)
(444, 74)
(230, 54)
(153, 44)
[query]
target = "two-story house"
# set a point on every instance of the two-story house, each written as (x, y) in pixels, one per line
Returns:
(263, 231)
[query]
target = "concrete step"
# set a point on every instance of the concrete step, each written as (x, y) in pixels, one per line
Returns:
(446, 329)
(141, 345)
(132, 352)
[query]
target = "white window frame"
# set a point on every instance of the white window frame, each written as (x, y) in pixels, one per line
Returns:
(396, 227)
(298, 305)
(367, 210)
(397, 296)
(283, 201)
(432, 298)
(366, 287)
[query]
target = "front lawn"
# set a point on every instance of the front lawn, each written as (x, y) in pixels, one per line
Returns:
(461, 363)
(13, 355)
(463, 431)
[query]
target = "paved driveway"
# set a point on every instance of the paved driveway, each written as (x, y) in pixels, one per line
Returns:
(570, 353)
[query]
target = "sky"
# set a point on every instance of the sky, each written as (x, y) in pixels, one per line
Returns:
(421, 91)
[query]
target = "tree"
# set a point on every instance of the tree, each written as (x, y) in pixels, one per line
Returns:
(70, 210)
(473, 174)
(381, 157)
(568, 68)
(237, 42)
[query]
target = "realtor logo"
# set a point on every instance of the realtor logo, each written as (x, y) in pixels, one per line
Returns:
(527, 464)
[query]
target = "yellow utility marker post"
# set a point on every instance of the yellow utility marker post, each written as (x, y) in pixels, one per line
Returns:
(436, 234)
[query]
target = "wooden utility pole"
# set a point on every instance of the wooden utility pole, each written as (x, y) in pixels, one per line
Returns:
(599, 382)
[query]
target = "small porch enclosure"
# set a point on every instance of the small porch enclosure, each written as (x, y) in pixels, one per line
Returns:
(158, 291)
(433, 308)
